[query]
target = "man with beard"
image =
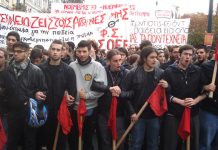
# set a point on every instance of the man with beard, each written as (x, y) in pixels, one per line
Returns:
(202, 55)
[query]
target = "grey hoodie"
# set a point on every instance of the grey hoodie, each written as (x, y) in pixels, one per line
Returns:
(84, 78)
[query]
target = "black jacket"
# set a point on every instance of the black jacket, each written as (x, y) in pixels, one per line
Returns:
(58, 78)
(184, 84)
(18, 91)
(134, 82)
(210, 105)
(3, 101)
(67, 59)
(104, 101)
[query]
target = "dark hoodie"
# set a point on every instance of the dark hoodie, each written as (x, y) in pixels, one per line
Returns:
(184, 84)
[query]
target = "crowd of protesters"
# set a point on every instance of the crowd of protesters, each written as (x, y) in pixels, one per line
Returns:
(96, 75)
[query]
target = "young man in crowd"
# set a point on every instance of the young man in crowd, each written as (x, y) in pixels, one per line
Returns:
(36, 56)
(209, 112)
(11, 38)
(115, 76)
(202, 55)
(22, 80)
(142, 80)
(186, 82)
(59, 78)
(174, 56)
(66, 54)
(87, 70)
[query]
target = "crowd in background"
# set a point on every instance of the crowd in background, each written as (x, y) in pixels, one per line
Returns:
(130, 74)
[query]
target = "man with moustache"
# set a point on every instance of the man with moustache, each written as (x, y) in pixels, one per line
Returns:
(186, 82)
(59, 78)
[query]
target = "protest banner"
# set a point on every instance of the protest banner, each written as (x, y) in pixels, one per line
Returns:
(160, 32)
(106, 27)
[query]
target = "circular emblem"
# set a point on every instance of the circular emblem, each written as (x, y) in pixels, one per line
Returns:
(88, 77)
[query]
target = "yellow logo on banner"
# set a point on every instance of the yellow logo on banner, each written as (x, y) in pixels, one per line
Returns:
(88, 77)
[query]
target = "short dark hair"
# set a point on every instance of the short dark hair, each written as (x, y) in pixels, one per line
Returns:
(39, 47)
(84, 43)
(186, 47)
(123, 50)
(112, 53)
(22, 45)
(71, 45)
(35, 53)
(145, 43)
(15, 34)
(145, 52)
(201, 46)
(56, 42)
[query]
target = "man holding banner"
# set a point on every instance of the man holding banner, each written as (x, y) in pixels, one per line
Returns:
(142, 81)
(186, 83)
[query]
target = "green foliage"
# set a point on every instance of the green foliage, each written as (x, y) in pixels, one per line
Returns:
(198, 27)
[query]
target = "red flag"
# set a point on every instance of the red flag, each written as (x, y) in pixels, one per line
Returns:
(157, 100)
(216, 52)
(64, 117)
(112, 118)
(3, 138)
(81, 112)
(184, 125)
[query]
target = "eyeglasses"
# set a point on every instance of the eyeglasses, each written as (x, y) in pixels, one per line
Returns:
(19, 51)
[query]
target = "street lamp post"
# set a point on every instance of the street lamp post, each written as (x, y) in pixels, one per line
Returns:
(210, 15)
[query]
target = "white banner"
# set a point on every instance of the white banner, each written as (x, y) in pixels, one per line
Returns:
(110, 28)
(160, 32)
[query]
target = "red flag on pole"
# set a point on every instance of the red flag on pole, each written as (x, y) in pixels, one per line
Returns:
(157, 101)
(3, 138)
(64, 117)
(184, 125)
(112, 118)
(216, 52)
(81, 112)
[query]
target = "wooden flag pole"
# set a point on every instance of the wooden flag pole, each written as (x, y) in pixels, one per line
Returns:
(114, 144)
(131, 125)
(188, 143)
(56, 137)
(80, 137)
(213, 78)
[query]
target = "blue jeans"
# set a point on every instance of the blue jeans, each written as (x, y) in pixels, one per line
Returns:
(208, 130)
(145, 127)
